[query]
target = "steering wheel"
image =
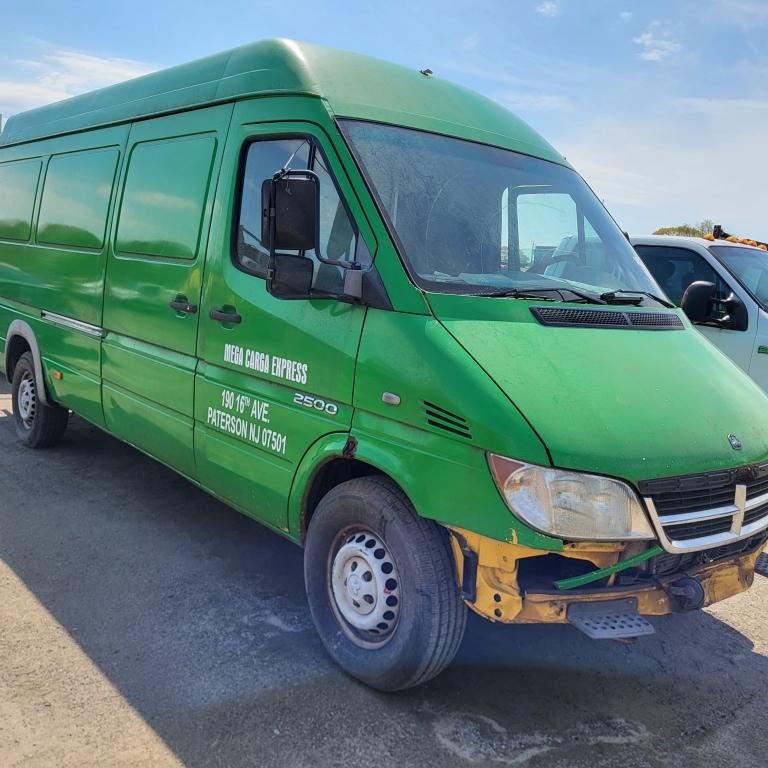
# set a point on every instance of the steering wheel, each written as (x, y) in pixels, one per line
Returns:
(544, 264)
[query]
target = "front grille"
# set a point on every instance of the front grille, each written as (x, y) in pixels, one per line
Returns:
(705, 491)
(698, 512)
(606, 318)
(686, 532)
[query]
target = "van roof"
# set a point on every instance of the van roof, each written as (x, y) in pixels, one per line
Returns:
(351, 85)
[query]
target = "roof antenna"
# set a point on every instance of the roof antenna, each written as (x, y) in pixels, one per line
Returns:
(426, 72)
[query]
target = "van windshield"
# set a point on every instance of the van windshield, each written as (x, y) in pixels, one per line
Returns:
(749, 265)
(476, 219)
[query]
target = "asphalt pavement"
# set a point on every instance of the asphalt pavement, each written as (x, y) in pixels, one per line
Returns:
(143, 623)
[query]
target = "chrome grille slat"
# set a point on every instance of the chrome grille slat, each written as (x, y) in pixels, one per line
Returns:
(695, 517)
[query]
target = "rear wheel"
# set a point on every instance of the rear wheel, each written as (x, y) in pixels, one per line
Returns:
(381, 586)
(37, 425)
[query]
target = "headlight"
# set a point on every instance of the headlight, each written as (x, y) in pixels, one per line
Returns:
(570, 505)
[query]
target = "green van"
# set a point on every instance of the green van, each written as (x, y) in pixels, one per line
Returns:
(379, 314)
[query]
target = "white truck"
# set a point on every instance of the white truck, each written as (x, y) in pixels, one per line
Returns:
(728, 279)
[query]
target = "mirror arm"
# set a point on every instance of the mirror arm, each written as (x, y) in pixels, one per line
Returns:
(340, 263)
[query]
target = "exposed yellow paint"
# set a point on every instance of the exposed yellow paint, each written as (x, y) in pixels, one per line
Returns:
(499, 598)
(498, 595)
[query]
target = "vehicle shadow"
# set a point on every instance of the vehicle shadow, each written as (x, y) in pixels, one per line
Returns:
(197, 616)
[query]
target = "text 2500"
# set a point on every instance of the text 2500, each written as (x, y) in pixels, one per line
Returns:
(316, 403)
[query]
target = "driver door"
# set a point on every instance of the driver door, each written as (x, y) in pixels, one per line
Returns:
(275, 375)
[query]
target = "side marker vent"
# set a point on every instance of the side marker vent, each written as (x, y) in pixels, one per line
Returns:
(606, 318)
(446, 420)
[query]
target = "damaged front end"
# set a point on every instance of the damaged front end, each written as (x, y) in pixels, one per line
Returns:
(601, 588)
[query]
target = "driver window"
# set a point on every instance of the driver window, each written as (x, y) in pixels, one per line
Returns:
(338, 236)
(674, 269)
(262, 160)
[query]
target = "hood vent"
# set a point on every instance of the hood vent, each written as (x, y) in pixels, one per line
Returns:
(450, 422)
(607, 318)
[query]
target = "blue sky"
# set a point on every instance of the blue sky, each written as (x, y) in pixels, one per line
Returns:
(662, 106)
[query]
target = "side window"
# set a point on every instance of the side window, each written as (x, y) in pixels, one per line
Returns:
(76, 192)
(262, 160)
(18, 185)
(164, 197)
(338, 236)
(674, 269)
(547, 225)
(554, 239)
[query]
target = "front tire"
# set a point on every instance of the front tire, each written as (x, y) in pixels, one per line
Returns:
(37, 425)
(381, 586)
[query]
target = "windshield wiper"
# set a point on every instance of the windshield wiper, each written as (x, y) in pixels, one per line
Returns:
(615, 297)
(535, 293)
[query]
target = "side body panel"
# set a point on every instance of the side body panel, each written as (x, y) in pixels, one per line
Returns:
(434, 441)
(738, 345)
(158, 241)
(270, 385)
(758, 367)
(57, 274)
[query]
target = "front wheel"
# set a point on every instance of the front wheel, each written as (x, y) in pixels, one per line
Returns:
(37, 425)
(381, 586)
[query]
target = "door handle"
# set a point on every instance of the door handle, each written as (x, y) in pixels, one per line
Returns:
(224, 317)
(180, 304)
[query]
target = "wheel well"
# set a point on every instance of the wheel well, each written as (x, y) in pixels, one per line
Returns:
(16, 346)
(331, 474)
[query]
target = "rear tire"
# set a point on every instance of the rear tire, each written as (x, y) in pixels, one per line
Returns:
(37, 425)
(382, 586)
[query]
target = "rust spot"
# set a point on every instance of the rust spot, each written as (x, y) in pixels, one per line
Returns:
(350, 448)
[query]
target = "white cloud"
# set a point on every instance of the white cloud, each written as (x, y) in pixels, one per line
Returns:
(473, 66)
(535, 102)
(548, 8)
(743, 12)
(746, 109)
(689, 159)
(657, 43)
(59, 74)
(625, 16)
(470, 43)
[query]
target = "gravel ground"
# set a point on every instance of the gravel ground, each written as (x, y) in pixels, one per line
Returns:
(142, 623)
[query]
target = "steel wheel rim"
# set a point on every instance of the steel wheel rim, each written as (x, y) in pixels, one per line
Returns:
(364, 586)
(26, 399)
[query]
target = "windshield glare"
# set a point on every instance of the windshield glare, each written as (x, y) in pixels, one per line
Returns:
(750, 267)
(472, 219)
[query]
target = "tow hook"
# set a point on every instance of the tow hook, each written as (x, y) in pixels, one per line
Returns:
(761, 566)
(687, 594)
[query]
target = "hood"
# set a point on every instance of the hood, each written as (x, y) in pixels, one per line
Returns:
(626, 402)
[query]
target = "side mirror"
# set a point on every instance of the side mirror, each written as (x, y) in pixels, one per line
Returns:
(290, 211)
(290, 221)
(290, 276)
(737, 318)
(697, 301)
